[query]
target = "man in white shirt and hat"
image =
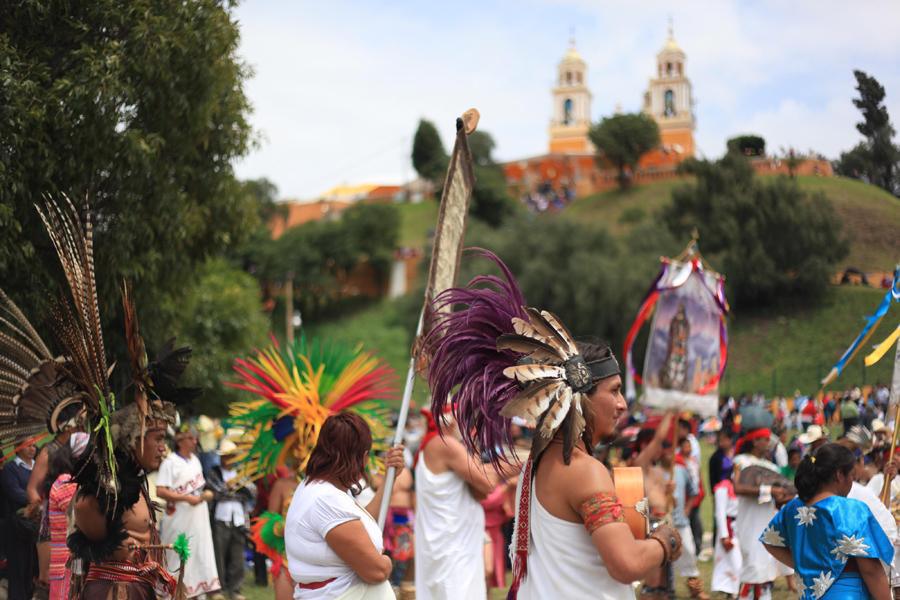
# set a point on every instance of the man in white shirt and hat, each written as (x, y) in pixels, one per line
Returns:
(233, 498)
(815, 436)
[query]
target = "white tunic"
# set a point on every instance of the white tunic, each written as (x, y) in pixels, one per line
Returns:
(185, 476)
(563, 562)
(727, 565)
(884, 518)
(450, 537)
(757, 566)
(317, 508)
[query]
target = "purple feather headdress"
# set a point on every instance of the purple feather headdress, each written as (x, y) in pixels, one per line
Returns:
(465, 361)
(498, 359)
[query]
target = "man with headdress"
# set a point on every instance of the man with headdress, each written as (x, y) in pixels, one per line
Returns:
(114, 541)
(505, 360)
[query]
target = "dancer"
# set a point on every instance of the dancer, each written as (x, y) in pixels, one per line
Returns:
(503, 360)
(450, 485)
(727, 555)
(296, 388)
(835, 544)
(756, 507)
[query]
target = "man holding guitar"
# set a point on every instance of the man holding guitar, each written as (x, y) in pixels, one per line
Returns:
(502, 360)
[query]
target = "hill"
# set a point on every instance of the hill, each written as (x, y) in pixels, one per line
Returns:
(774, 352)
(871, 216)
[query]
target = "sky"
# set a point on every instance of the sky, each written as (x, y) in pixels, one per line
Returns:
(340, 86)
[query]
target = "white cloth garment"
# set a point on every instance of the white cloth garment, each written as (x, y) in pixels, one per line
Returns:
(884, 518)
(449, 537)
(185, 476)
(727, 564)
(229, 511)
(316, 508)
(754, 514)
(563, 562)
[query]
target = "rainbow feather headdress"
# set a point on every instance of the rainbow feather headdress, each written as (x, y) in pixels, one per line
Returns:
(297, 388)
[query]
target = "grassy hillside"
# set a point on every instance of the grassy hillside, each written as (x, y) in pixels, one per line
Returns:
(870, 215)
(781, 351)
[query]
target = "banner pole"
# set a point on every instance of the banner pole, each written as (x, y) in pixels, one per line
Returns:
(401, 426)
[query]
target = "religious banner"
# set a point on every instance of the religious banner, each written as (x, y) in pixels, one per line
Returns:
(688, 342)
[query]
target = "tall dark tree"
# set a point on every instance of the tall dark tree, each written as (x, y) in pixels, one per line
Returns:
(138, 107)
(773, 240)
(621, 140)
(491, 201)
(429, 158)
(883, 154)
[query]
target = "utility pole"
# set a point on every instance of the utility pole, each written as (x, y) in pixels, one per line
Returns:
(289, 308)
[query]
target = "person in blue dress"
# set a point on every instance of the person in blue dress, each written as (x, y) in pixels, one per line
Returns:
(835, 545)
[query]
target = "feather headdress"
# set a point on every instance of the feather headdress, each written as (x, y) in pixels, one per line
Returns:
(495, 359)
(296, 389)
(36, 396)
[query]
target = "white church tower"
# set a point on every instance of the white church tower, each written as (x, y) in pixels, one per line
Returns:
(571, 106)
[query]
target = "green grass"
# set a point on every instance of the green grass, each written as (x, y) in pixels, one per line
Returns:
(417, 220)
(780, 351)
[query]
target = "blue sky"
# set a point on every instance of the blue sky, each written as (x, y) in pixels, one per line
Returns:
(339, 86)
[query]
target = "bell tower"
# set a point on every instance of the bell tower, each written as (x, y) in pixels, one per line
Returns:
(571, 106)
(668, 99)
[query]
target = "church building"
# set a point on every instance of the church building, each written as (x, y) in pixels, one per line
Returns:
(569, 168)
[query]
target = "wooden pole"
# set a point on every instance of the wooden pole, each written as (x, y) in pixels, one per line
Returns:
(892, 404)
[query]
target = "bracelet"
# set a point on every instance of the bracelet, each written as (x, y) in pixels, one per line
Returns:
(665, 553)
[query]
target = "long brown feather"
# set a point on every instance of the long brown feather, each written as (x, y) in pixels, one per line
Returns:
(535, 349)
(525, 373)
(561, 331)
(557, 412)
(531, 402)
(544, 328)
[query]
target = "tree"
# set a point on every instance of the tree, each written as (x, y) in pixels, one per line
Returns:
(773, 241)
(883, 154)
(622, 140)
(792, 159)
(219, 316)
(855, 163)
(429, 158)
(139, 107)
(491, 202)
(573, 267)
(747, 145)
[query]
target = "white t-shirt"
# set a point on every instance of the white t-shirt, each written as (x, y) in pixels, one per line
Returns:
(229, 511)
(317, 508)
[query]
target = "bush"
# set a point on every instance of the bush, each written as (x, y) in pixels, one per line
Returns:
(774, 241)
(747, 145)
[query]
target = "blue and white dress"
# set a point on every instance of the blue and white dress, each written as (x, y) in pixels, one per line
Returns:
(822, 537)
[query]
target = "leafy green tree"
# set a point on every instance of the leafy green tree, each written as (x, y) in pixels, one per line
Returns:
(773, 241)
(491, 202)
(748, 145)
(621, 140)
(576, 269)
(219, 316)
(429, 158)
(855, 163)
(139, 107)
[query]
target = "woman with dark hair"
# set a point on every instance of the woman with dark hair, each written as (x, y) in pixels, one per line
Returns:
(334, 545)
(833, 542)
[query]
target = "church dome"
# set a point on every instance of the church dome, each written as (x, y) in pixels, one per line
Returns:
(572, 55)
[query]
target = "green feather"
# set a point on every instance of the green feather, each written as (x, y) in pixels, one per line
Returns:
(182, 547)
(267, 531)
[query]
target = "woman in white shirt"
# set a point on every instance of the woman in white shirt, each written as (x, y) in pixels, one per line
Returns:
(333, 544)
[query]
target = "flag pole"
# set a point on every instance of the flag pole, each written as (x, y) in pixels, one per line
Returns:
(445, 254)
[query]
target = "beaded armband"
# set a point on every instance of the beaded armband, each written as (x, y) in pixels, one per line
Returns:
(601, 509)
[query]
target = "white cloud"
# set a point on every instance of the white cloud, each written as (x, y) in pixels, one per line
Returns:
(340, 86)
